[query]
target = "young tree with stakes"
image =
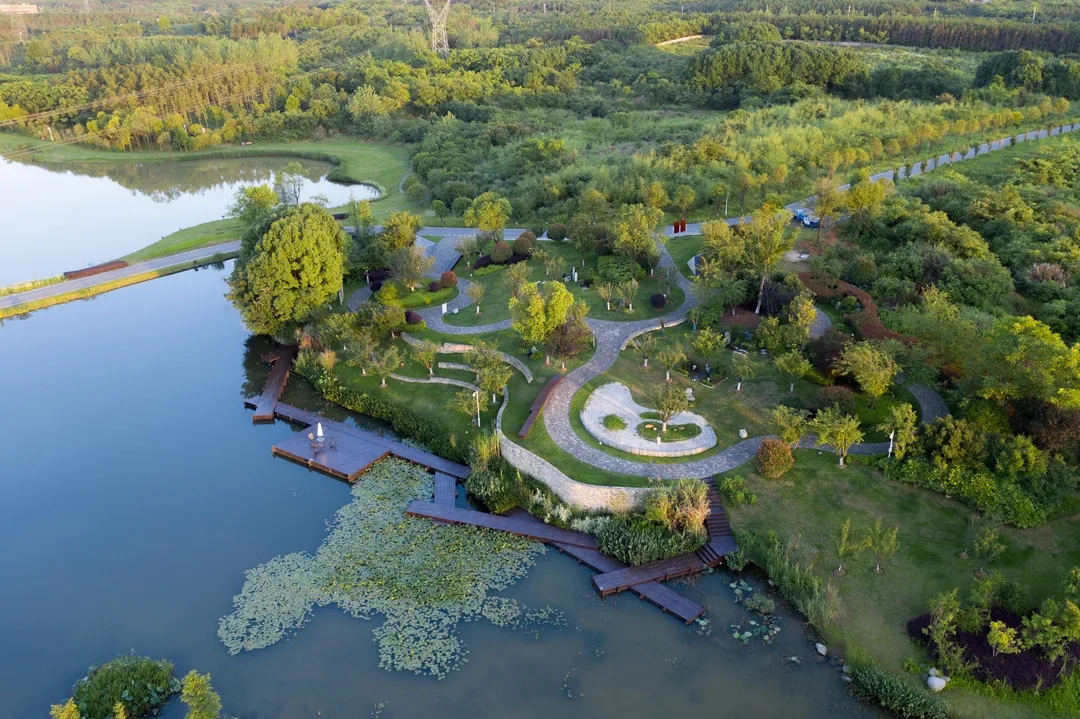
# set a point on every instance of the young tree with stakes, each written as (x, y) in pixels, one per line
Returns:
(426, 353)
(793, 366)
(627, 292)
(668, 400)
(743, 368)
(790, 424)
(670, 357)
(883, 542)
(645, 343)
(606, 290)
(846, 547)
(385, 362)
(475, 293)
(835, 428)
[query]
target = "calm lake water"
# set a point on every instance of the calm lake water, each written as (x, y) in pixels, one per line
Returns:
(58, 217)
(136, 492)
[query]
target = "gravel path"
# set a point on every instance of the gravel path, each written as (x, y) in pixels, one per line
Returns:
(822, 323)
(931, 405)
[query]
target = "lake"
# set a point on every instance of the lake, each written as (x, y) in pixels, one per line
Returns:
(136, 492)
(59, 217)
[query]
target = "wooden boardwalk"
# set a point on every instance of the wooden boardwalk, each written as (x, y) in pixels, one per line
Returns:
(721, 542)
(339, 455)
(394, 448)
(538, 405)
(539, 531)
(281, 364)
(445, 490)
(666, 599)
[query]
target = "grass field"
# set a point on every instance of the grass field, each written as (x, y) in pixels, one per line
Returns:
(354, 162)
(811, 502)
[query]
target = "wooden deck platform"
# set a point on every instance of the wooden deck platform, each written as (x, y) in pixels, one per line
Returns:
(539, 531)
(340, 455)
(397, 449)
(666, 599)
(281, 364)
(611, 582)
(445, 490)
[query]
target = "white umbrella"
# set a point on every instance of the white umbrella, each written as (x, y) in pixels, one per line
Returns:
(318, 430)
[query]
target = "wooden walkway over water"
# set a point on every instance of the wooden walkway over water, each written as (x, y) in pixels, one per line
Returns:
(538, 530)
(281, 363)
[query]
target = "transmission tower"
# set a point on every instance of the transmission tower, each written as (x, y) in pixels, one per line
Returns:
(438, 16)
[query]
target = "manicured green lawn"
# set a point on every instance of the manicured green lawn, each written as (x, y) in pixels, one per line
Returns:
(682, 249)
(495, 305)
(811, 502)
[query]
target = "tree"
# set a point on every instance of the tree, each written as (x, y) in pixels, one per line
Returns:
(516, 277)
(634, 232)
(766, 242)
(829, 198)
(743, 368)
(835, 428)
(864, 200)
(583, 235)
(1022, 357)
(706, 344)
(384, 363)
(793, 366)
(668, 277)
(410, 265)
(1002, 639)
(399, 230)
(489, 213)
(440, 209)
(645, 342)
(251, 205)
(790, 423)
(593, 203)
(684, 199)
(358, 349)
(67, 710)
(871, 366)
(668, 400)
(466, 402)
(553, 267)
(722, 245)
(202, 701)
(901, 426)
(656, 196)
(426, 352)
(536, 313)
(289, 183)
(606, 290)
(847, 547)
(468, 246)
(986, 547)
(571, 337)
(475, 293)
(627, 292)
(494, 379)
(882, 542)
(670, 357)
(288, 267)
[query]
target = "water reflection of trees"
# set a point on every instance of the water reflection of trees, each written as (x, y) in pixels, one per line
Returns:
(166, 181)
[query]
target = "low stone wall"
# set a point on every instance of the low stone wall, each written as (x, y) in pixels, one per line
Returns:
(457, 366)
(458, 348)
(667, 323)
(435, 379)
(588, 497)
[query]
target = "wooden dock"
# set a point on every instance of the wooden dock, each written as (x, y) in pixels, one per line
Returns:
(445, 490)
(345, 435)
(668, 600)
(538, 531)
(281, 363)
(339, 455)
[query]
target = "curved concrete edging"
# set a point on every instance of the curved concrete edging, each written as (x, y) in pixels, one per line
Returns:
(434, 379)
(448, 348)
(615, 399)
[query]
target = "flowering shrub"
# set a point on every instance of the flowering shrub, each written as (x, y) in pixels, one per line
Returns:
(773, 458)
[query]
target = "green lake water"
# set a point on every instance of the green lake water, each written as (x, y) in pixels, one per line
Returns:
(135, 492)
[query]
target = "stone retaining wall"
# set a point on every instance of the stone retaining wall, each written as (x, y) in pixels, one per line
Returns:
(458, 348)
(435, 379)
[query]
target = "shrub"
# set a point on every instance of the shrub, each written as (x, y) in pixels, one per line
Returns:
(557, 232)
(658, 300)
(616, 268)
(448, 279)
(840, 397)
(525, 244)
(142, 684)
(501, 252)
(375, 286)
(529, 235)
(760, 603)
(734, 491)
(388, 293)
(773, 458)
(481, 262)
(635, 540)
(680, 506)
(488, 270)
(434, 286)
(614, 422)
(413, 318)
(494, 488)
(875, 686)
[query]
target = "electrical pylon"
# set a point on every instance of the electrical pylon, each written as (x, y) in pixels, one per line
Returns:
(438, 16)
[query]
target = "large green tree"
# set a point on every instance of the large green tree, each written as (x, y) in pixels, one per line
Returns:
(767, 240)
(538, 311)
(1023, 357)
(489, 213)
(635, 233)
(399, 230)
(289, 265)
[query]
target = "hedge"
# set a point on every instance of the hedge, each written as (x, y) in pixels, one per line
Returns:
(616, 268)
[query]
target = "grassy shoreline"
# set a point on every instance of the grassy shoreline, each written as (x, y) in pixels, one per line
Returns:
(353, 162)
(89, 292)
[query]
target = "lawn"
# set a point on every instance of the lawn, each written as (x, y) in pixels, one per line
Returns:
(682, 249)
(355, 162)
(495, 305)
(811, 502)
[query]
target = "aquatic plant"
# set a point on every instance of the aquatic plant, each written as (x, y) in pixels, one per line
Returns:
(424, 578)
(143, 685)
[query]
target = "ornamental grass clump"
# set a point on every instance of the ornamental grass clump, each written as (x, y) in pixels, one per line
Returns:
(423, 578)
(680, 506)
(876, 686)
(141, 684)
